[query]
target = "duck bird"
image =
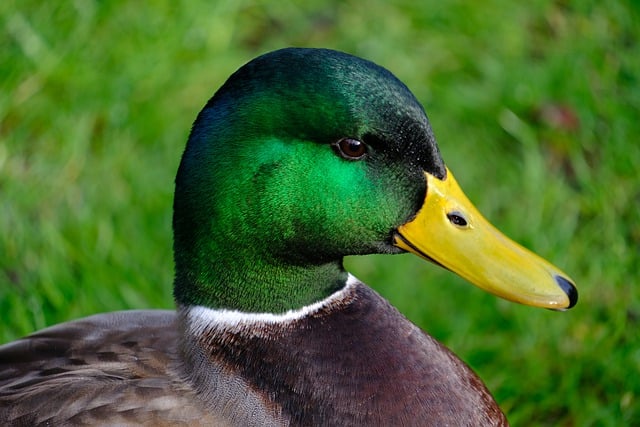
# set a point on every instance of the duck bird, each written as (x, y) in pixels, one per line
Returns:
(302, 157)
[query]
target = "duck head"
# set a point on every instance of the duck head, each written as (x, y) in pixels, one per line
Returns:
(305, 156)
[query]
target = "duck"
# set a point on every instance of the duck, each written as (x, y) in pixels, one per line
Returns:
(302, 157)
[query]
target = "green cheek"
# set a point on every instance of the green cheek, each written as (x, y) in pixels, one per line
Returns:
(324, 203)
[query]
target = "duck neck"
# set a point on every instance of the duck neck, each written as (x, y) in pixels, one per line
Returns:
(235, 280)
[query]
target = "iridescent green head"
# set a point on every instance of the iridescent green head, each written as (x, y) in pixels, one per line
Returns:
(267, 201)
(302, 157)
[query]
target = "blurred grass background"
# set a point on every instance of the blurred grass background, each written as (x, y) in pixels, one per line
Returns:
(535, 104)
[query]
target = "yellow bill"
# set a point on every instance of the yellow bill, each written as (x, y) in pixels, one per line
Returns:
(450, 231)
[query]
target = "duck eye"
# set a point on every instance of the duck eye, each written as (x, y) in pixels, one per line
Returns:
(351, 149)
(457, 218)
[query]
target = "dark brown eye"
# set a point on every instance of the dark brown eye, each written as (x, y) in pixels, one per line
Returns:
(351, 149)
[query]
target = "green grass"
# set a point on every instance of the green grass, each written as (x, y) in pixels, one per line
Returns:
(535, 104)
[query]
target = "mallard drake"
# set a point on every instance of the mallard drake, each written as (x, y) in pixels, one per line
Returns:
(302, 157)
